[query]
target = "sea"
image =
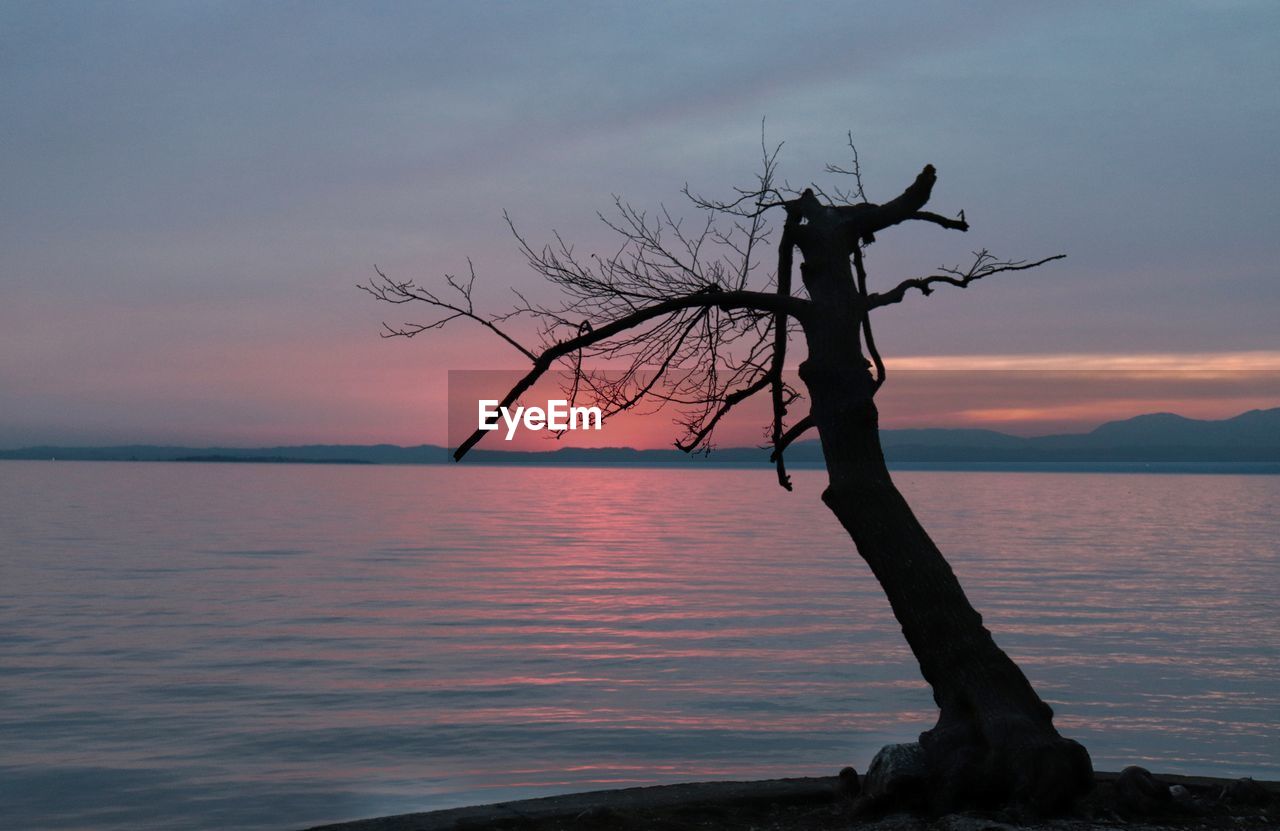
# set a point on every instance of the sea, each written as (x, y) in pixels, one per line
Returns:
(274, 646)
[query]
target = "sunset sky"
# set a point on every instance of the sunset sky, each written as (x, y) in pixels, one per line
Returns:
(191, 192)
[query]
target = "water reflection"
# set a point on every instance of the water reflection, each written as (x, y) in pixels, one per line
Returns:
(270, 646)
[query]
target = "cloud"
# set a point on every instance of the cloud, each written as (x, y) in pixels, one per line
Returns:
(194, 180)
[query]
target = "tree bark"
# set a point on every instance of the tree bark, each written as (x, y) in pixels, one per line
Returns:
(994, 742)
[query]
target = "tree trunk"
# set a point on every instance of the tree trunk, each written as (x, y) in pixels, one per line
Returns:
(994, 742)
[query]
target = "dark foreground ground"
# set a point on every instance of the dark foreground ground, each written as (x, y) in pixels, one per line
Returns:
(816, 804)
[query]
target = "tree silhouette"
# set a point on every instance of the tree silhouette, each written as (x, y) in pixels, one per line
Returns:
(695, 320)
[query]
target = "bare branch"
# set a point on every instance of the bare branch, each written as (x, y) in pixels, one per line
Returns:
(759, 301)
(730, 401)
(675, 306)
(398, 292)
(868, 338)
(856, 194)
(785, 247)
(794, 432)
(864, 220)
(750, 203)
(984, 265)
(958, 224)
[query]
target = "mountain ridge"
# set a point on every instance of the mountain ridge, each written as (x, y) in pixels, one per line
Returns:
(1251, 436)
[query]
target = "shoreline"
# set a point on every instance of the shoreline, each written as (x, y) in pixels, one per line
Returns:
(774, 805)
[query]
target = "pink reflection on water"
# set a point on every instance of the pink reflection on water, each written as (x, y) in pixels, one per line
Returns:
(451, 633)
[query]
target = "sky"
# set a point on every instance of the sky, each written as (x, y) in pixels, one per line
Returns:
(191, 191)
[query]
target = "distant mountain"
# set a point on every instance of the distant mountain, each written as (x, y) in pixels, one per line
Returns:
(314, 453)
(1255, 428)
(940, 437)
(1253, 436)
(282, 460)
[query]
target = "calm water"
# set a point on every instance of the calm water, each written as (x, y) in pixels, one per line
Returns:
(252, 646)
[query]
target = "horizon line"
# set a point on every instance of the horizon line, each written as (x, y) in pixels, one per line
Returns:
(446, 445)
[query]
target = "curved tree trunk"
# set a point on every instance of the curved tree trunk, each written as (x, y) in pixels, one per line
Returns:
(994, 742)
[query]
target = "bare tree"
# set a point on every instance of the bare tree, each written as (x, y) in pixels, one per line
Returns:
(697, 319)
